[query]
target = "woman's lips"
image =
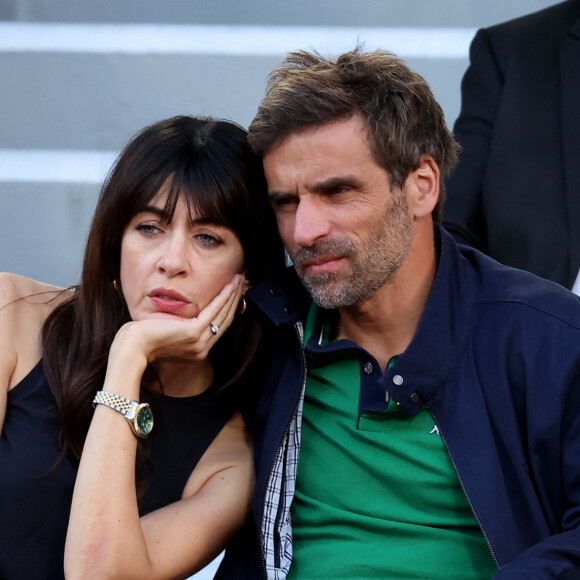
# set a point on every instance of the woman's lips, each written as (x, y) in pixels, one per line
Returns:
(168, 300)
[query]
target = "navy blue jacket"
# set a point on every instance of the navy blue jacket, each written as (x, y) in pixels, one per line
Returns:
(496, 358)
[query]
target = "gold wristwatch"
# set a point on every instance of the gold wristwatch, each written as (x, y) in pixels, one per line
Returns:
(139, 415)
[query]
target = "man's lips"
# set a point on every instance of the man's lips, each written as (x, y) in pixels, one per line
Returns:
(167, 300)
(322, 265)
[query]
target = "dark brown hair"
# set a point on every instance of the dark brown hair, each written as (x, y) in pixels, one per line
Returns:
(402, 118)
(210, 164)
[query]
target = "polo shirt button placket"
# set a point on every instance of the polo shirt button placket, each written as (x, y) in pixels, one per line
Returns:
(398, 381)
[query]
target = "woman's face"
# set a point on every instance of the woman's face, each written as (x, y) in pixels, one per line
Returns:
(177, 268)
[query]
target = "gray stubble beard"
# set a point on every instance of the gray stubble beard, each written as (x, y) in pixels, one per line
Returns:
(372, 266)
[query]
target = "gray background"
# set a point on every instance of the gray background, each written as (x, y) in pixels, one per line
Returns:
(75, 102)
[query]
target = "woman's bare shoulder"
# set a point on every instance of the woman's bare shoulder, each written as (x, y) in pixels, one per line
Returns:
(15, 289)
(24, 306)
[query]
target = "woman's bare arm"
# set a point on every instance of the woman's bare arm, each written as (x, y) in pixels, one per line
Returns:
(106, 538)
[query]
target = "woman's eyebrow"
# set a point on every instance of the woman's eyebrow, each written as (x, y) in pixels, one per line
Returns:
(164, 215)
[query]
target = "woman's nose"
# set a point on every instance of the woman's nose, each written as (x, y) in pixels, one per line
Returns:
(173, 260)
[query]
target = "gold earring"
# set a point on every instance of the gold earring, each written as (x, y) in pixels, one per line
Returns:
(115, 285)
(242, 306)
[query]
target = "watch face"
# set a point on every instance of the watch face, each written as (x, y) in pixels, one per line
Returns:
(145, 420)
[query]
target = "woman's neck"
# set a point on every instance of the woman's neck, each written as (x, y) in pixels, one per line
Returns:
(184, 378)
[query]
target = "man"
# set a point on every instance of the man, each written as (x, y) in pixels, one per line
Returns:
(515, 194)
(421, 418)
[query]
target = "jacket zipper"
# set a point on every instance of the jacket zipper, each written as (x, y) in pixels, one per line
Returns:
(299, 334)
(485, 536)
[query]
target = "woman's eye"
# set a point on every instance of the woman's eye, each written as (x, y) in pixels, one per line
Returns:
(208, 239)
(148, 229)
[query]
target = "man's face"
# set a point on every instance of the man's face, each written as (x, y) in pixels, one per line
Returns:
(346, 230)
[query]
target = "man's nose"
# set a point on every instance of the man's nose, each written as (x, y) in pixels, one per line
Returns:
(311, 222)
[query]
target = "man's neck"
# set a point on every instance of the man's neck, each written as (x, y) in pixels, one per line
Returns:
(385, 324)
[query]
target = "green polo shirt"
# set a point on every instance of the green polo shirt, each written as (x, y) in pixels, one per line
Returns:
(376, 493)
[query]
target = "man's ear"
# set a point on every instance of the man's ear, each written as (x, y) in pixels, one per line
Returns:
(423, 187)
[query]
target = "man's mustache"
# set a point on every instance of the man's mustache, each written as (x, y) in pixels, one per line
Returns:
(322, 249)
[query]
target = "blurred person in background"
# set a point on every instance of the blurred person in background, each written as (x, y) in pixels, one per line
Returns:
(515, 194)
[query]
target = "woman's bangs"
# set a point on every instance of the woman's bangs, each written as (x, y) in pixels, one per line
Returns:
(207, 199)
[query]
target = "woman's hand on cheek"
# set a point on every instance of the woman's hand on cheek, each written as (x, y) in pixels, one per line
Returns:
(179, 338)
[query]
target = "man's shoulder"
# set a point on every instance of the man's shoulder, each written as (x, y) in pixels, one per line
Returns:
(505, 287)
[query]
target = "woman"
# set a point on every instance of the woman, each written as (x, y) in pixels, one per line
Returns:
(153, 341)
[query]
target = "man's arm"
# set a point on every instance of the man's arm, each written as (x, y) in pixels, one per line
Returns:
(481, 89)
(558, 557)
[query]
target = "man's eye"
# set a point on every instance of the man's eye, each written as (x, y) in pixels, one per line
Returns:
(283, 203)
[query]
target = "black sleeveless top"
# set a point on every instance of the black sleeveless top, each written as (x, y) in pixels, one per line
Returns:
(35, 497)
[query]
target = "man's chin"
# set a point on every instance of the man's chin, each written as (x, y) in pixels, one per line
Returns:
(325, 296)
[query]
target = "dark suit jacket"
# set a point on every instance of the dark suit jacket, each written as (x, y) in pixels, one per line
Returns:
(516, 191)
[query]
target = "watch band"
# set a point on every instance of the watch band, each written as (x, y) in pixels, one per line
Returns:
(138, 415)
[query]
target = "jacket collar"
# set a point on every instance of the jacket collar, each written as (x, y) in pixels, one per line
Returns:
(282, 298)
(429, 360)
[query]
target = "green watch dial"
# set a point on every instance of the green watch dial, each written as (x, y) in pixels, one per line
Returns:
(145, 420)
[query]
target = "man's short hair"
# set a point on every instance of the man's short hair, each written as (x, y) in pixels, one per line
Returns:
(401, 115)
